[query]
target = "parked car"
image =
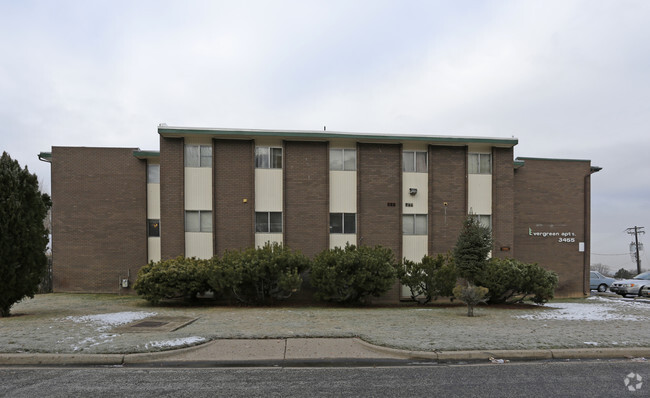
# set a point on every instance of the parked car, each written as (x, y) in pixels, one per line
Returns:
(600, 282)
(631, 286)
(645, 291)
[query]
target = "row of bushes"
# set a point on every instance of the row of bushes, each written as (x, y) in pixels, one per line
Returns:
(507, 280)
(272, 273)
(343, 275)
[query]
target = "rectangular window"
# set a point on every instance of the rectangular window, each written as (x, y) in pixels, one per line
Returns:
(153, 173)
(484, 220)
(343, 159)
(206, 156)
(414, 162)
(414, 224)
(153, 228)
(268, 158)
(343, 223)
(198, 156)
(268, 222)
(198, 221)
(479, 163)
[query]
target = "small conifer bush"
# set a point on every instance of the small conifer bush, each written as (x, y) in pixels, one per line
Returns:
(352, 274)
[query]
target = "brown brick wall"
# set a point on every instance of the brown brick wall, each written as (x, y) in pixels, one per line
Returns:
(447, 184)
(172, 197)
(98, 218)
(503, 205)
(306, 196)
(550, 196)
(233, 164)
(379, 181)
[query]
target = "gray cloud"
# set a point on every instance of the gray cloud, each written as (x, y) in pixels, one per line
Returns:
(568, 78)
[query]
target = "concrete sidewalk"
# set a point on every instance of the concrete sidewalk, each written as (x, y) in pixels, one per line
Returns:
(292, 350)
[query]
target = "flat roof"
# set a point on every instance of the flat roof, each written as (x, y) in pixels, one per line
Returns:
(233, 133)
(521, 161)
(45, 157)
(140, 154)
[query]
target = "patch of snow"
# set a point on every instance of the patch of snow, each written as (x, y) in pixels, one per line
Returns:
(584, 312)
(591, 343)
(175, 342)
(113, 319)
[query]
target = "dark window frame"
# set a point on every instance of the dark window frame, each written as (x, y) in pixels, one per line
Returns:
(203, 156)
(270, 220)
(153, 228)
(202, 227)
(479, 163)
(340, 153)
(268, 157)
(153, 178)
(414, 231)
(348, 223)
(414, 166)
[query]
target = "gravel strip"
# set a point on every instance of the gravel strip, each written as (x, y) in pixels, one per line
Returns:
(82, 323)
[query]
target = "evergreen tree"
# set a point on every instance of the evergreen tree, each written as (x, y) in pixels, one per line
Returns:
(23, 236)
(624, 274)
(472, 248)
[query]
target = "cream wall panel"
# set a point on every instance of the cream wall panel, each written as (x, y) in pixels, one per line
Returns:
(479, 193)
(261, 239)
(198, 188)
(414, 247)
(153, 249)
(268, 189)
(420, 201)
(343, 191)
(198, 244)
(340, 240)
(153, 201)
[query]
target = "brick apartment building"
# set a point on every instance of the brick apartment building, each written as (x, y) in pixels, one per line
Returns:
(208, 190)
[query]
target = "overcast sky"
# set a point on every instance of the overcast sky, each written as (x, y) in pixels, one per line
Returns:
(569, 79)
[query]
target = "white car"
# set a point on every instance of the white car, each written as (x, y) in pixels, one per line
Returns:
(631, 286)
(599, 281)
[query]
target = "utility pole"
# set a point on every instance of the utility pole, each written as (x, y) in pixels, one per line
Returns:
(636, 231)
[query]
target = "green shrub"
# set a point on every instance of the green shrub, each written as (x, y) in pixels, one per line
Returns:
(540, 283)
(511, 281)
(259, 275)
(352, 274)
(176, 278)
(428, 279)
(471, 295)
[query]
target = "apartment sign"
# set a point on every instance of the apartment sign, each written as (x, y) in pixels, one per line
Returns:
(562, 237)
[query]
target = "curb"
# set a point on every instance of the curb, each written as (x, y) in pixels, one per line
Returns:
(61, 359)
(144, 357)
(537, 354)
(42, 359)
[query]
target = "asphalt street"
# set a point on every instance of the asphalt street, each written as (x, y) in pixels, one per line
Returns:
(539, 379)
